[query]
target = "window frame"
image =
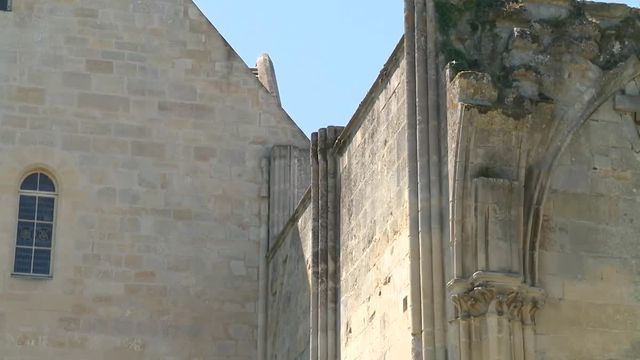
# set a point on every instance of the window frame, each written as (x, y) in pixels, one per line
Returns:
(38, 194)
(9, 6)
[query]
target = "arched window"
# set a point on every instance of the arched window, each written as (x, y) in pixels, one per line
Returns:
(36, 217)
(5, 5)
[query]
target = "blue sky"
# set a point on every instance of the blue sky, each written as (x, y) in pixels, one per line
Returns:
(327, 53)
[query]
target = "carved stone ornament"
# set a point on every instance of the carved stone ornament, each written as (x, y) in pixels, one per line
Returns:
(496, 294)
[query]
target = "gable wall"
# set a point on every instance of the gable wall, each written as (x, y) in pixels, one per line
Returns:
(155, 130)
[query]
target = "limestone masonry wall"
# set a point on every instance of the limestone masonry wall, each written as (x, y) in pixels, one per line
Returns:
(374, 260)
(589, 252)
(543, 171)
(180, 176)
(289, 292)
(155, 131)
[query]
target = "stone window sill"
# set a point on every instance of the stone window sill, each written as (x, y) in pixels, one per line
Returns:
(31, 276)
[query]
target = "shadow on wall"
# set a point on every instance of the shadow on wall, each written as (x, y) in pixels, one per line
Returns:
(289, 293)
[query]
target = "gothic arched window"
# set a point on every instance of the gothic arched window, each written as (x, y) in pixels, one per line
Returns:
(36, 218)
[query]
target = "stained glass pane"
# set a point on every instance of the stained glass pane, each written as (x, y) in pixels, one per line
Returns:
(25, 233)
(46, 184)
(23, 261)
(27, 210)
(43, 234)
(4, 5)
(41, 261)
(30, 183)
(45, 208)
(35, 226)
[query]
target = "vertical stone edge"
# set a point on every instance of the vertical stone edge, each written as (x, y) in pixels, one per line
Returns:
(315, 210)
(332, 253)
(263, 271)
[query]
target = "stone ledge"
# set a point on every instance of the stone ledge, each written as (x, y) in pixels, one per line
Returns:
(473, 88)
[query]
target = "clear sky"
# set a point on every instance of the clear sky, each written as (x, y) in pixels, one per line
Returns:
(327, 54)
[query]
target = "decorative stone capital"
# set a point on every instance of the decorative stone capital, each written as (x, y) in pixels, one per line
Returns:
(487, 293)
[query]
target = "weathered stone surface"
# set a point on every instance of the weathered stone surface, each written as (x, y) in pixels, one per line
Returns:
(589, 248)
(374, 259)
(158, 136)
(606, 15)
(474, 88)
(289, 291)
(547, 9)
(156, 253)
(563, 120)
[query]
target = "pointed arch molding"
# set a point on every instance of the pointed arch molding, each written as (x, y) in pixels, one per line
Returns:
(500, 168)
(538, 175)
(498, 196)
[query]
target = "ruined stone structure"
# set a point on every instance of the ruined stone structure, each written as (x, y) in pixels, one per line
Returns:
(480, 204)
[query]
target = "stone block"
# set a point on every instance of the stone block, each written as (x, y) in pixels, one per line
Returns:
(112, 55)
(76, 143)
(548, 9)
(8, 56)
(238, 268)
(204, 153)
(99, 66)
(131, 131)
(83, 12)
(147, 149)
(27, 95)
(186, 110)
(108, 84)
(144, 87)
(183, 92)
(95, 128)
(100, 102)
(606, 14)
(571, 178)
(473, 88)
(144, 276)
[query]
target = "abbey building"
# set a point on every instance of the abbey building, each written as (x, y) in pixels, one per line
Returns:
(159, 203)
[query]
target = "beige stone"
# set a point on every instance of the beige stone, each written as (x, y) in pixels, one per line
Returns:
(145, 266)
(103, 102)
(79, 81)
(99, 66)
(28, 95)
(185, 230)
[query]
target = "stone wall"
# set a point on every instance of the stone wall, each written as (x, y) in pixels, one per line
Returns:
(289, 288)
(589, 253)
(542, 168)
(155, 131)
(374, 260)
(372, 275)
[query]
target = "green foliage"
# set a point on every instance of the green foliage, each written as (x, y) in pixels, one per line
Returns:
(448, 15)
(456, 57)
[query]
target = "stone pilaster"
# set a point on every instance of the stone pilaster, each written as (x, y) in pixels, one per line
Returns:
(288, 180)
(325, 202)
